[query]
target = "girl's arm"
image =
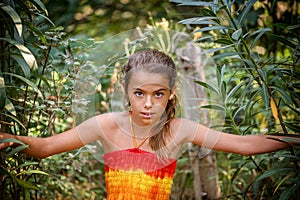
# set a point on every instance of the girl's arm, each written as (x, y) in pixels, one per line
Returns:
(63, 142)
(245, 145)
(44, 147)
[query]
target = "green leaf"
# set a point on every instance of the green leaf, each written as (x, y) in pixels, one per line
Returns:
(32, 172)
(262, 73)
(265, 95)
(213, 50)
(41, 5)
(260, 33)
(25, 52)
(234, 90)
(214, 107)
(2, 93)
(195, 3)
(39, 33)
(213, 28)
(14, 16)
(25, 184)
(248, 5)
(16, 150)
(199, 20)
(15, 119)
(283, 40)
(10, 107)
(23, 64)
(285, 96)
(11, 140)
(208, 86)
(223, 41)
(28, 82)
(227, 55)
(237, 34)
(27, 164)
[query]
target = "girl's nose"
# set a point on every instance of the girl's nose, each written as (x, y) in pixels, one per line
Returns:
(148, 102)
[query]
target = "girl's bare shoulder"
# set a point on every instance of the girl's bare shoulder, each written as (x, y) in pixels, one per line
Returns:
(112, 120)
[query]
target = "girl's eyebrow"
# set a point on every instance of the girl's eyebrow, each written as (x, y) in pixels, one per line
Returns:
(159, 90)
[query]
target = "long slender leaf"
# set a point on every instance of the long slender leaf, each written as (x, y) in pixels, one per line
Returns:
(198, 3)
(283, 40)
(2, 93)
(214, 107)
(199, 20)
(213, 28)
(14, 16)
(234, 90)
(16, 150)
(15, 119)
(41, 5)
(25, 52)
(265, 95)
(32, 172)
(208, 86)
(285, 96)
(23, 64)
(28, 82)
(260, 32)
(247, 7)
(25, 184)
(10, 107)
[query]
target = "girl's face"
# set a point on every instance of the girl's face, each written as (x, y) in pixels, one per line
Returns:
(148, 95)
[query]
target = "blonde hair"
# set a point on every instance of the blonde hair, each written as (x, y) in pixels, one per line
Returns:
(154, 61)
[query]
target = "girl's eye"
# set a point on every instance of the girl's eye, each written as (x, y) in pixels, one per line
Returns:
(159, 94)
(138, 94)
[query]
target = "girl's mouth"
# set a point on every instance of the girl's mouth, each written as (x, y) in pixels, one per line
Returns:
(147, 115)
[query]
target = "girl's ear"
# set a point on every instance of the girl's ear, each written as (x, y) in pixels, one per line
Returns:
(172, 93)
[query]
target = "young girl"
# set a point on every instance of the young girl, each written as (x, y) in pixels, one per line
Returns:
(141, 144)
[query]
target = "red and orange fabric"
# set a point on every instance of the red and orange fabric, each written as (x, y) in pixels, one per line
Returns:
(137, 174)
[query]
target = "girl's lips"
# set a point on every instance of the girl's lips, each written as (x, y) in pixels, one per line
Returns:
(147, 115)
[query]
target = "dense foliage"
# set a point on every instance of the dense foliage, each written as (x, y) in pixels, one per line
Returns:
(256, 48)
(254, 44)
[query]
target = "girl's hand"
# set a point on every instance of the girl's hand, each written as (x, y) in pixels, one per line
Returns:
(6, 140)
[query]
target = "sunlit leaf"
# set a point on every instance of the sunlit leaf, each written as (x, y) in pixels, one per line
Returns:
(2, 93)
(10, 107)
(32, 172)
(274, 108)
(25, 52)
(14, 16)
(41, 5)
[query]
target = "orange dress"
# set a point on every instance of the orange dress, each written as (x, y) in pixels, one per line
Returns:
(137, 174)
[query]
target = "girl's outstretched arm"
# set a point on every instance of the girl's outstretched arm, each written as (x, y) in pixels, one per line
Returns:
(63, 142)
(245, 145)
(44, 147)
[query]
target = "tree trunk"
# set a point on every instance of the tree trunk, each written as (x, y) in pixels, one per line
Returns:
(193, 96)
